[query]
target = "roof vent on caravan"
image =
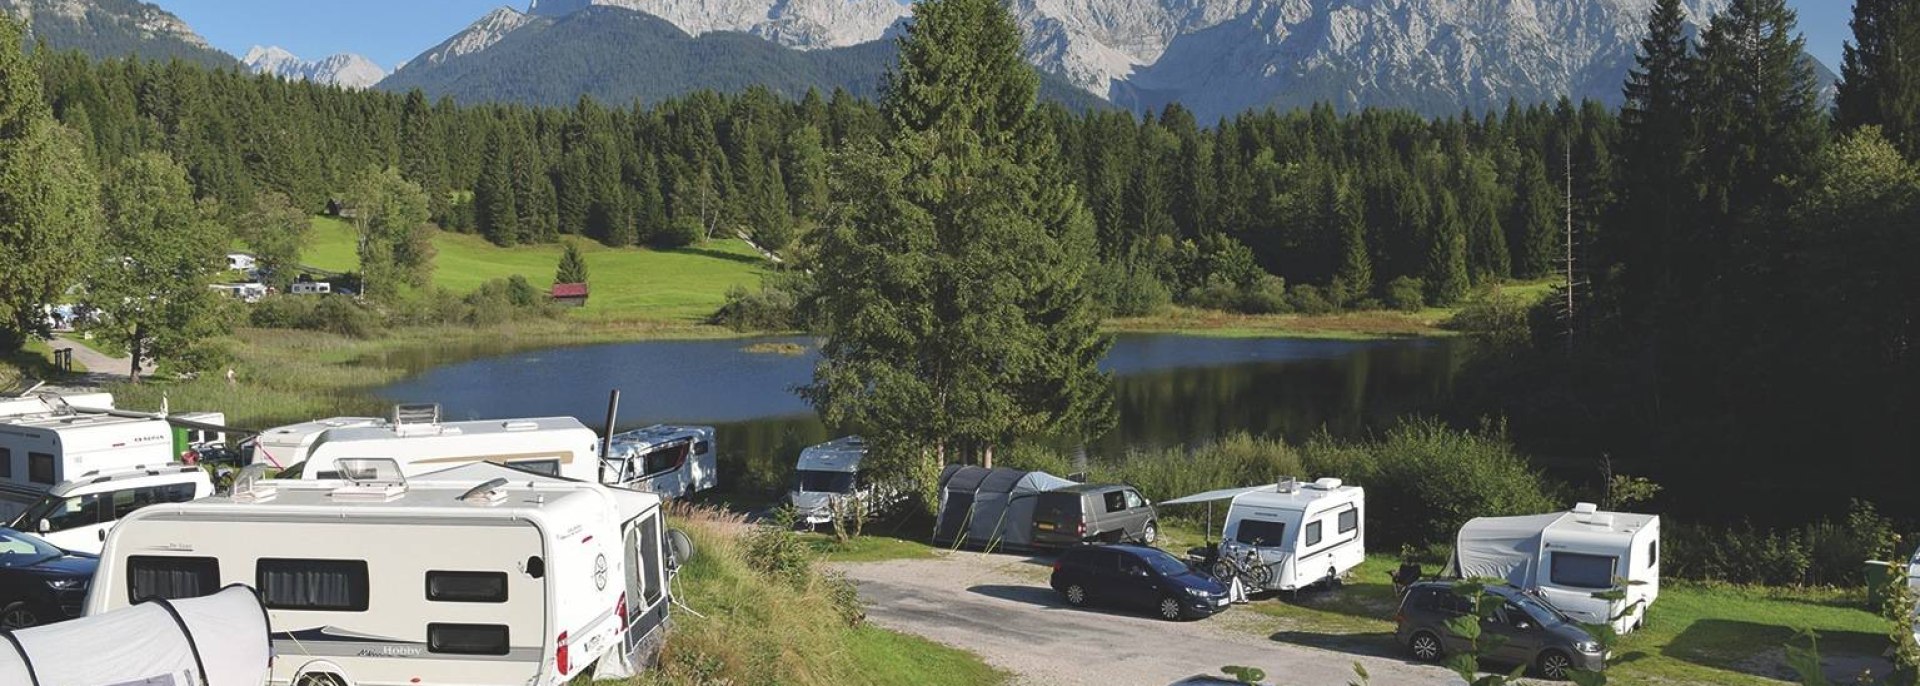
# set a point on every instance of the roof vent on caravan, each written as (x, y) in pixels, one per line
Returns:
(251, 485)
(489, 493)
(1328, 484)
(521, 425)
(416, 419)
(1585, 508)
(377, 479)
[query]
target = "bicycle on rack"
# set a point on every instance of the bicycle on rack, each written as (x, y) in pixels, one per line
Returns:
(1247, 566)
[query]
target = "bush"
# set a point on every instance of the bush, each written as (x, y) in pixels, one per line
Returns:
(1308, 299)
(679, 233)
(1425, 479)
(522, 294)
(1495, 318)
(765, 310)
(1823, 553)
(332, 314)
(1268, 295)
(1129, 291)
(1237, 460)
(1406, 294)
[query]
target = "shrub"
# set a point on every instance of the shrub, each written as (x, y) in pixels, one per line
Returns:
(1407, 294)
(1425, 479)
(763, 310)
(522, 294)
(1129, 291)
(332, 314)
(1237, 460)
(1308, 299)
(679, 233)
(1498, 319)
(1737, 554)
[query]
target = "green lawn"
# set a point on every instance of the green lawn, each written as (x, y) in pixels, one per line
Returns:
(687, 284)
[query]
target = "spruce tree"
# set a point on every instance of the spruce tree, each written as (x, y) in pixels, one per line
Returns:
(1655, 220)
(1447, 277)
(1354, 277)
(573, 265)
(1534, 223)
(953, 280)
(1759, 108)
(1880, 74)
(496, 211)
(49, 212)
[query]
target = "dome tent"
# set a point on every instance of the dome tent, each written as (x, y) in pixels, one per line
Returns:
(215, 640)
(990, 508)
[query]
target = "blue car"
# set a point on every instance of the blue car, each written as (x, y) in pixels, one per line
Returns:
(1137, 577)
(39, 583)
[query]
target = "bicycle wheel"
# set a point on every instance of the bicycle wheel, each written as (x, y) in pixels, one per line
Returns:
(1259, 575)
(1222, 570)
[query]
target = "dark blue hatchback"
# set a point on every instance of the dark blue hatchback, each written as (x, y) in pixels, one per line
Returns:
(1136, 577)
(39, 583)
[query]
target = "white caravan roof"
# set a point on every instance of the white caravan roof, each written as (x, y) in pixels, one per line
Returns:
(1281, 496)
(381, 431)
(304, 431)
(89, 432)
(642, 440)
(838, 455)
(128, 477)
(48, 404)
(525, 495)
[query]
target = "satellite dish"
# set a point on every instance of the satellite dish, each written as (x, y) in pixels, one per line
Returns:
(679, 548)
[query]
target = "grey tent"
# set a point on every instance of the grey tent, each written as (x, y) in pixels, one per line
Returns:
(990, 508)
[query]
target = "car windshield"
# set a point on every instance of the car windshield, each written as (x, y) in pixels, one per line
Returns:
(20, 550)
(814, 481)
(1541, 612)
(1163, 563)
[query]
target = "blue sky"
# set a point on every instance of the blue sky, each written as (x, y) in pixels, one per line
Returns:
(392, 31)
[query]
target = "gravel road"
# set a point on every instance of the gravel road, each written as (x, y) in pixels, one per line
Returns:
(1000, 607)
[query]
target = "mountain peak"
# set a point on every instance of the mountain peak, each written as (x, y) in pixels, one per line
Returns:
(113, 29)
(802, 24)
(344, 70)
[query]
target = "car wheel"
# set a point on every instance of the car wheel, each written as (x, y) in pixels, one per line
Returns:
(1076, 595)
(1170, 609)
(18, 616)
(1555, 665)
(1150, 534)
(1426, 647)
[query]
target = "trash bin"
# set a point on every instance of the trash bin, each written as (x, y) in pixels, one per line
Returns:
(1878, 574)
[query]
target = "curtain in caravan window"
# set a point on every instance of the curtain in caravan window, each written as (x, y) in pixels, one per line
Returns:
(327, 585)
(171, 578)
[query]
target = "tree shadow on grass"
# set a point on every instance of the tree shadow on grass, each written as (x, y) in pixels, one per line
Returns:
(1759, 649)
(720, 255)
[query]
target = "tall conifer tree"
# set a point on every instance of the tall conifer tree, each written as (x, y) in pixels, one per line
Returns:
(1880, 74)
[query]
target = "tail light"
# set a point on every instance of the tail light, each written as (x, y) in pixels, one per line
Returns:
(1083, 527)
(621, 609)
(560, 660)
(1056, 564)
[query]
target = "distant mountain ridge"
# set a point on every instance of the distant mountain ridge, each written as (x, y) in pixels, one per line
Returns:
(114, 28)
(345, 70)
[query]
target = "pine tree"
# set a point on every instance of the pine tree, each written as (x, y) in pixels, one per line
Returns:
(1447, 277)
(1880, 74)
(422, 157)
(1534, 222)
(573, 266)
(497, 214)
(1759, 109)
(1354, 277)
(1655, 223)
(953, 281)
(49, 212)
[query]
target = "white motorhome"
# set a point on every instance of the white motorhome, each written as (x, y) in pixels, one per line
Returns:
(1567, 557)
(76, 515)
(421, 443)
(828, 475)
(285, 446)
(669, 461)
(47, 405)
(475, 575)
(38, 452)
(310, 288)
(1303, 533)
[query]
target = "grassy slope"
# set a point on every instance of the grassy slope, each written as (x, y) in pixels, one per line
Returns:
(758, 630)
(628, 283)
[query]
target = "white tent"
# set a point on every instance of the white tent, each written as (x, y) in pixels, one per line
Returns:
(1501, 548)
(216, 640)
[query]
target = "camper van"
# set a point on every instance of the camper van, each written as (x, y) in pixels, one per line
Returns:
(478, 574)
(669, 461)
(76, 515)
(1301, 533)
(828, 474)
(420, 443)
(1567, 557)
(285, 446)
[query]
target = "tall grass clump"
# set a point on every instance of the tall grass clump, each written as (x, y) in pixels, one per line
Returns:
(771, 613)
(1425, 479)
(1239, 459)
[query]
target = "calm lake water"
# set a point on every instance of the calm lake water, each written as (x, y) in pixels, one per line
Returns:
(1168, 389)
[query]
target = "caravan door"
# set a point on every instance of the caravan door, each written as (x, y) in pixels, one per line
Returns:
(643, 606)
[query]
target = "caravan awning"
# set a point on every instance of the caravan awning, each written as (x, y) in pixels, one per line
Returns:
(1211, 496)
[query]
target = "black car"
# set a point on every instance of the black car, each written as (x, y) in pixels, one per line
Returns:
(1530, 631)
(39, 583)
(1137, 577)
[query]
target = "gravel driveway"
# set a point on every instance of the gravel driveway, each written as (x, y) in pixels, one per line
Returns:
(1000, 607)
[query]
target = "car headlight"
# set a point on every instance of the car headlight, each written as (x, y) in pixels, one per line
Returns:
(1196, 593)
(66, 584)
(1587, 647)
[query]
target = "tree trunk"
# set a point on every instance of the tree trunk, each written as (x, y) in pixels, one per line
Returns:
(135, 346)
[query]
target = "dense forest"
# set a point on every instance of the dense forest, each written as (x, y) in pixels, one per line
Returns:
(1741, 311)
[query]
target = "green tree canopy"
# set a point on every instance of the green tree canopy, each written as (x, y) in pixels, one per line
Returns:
(49, 211)
(276, 231)
(160, 254)
(573, 266)
(396, 242)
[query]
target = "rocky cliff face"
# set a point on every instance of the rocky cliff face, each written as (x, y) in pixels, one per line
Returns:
(344, 70)
(113, 28)
(801, 24)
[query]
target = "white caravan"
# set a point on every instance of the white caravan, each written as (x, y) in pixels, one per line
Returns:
(669, 461)
(828, 475)
(77, 514)
(420, 443)
(1303, 533)
(38, 452)
(1567, 557)
(475, 575)
(285, 446)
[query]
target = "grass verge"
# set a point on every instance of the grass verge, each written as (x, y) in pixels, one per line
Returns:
(764, 628)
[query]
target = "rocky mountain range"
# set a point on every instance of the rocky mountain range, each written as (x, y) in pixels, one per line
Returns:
(345, 70)
(114, 28)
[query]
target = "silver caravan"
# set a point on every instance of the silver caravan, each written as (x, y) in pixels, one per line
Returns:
(669, 461)
(480, 575)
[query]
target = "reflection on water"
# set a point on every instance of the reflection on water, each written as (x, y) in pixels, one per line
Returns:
(1168, 390)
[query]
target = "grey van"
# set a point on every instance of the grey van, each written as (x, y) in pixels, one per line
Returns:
(1530, 631)
(1093, 512)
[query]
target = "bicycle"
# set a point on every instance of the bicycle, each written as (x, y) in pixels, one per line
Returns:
(1249, 567)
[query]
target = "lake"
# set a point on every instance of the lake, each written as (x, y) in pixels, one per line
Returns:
(1168, 390)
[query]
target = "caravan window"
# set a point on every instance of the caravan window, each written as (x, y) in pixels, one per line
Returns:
(544, 467)
(1579, 570)
(467, 587)
(6, 463)
(467, 639)
(663, 460)
(1313, 534)
(40, 468)
(128, 500)
(1256, 532)
(1349, 521)
(812, 481)
(171, 578)
(702, 448)
(643, 555)
(323, 585)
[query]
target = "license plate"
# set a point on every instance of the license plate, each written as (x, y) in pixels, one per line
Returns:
(1044, 526)
(1220, 603)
